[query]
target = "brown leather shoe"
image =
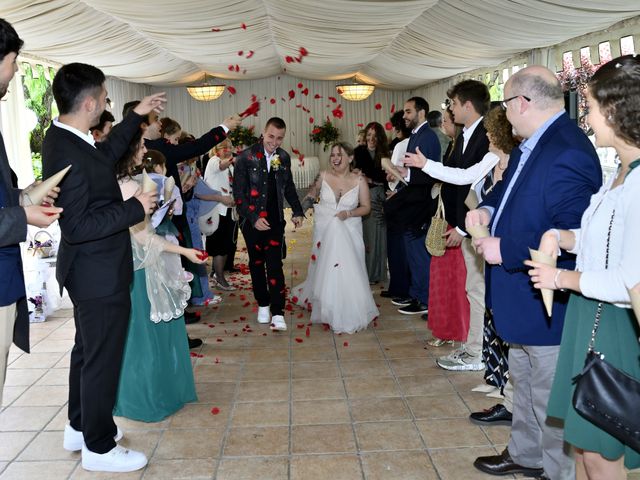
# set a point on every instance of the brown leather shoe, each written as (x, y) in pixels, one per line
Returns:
(503, 464)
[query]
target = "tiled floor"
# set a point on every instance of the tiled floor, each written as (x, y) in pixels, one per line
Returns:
(301, 405)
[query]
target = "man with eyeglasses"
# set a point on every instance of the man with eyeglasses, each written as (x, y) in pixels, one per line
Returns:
(548, 183)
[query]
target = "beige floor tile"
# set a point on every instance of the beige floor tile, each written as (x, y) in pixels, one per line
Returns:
(451, 433)
(221, 372)
(315, 370)
(357, 368)
(324, 467)
(224, 356)
(355, 352)
(10, 394)
(63, 363)
(277, 390)
(81, 474)
(254, 441)
(415, 366)
(215, 392)
(59, 420)
(192, 469)
(262, 468)
(47, 446)
(313, 354)
(363, 387)
(195, 443)
(38, 360)
(267, 355)
(48, 346)
(438, 406)
(128, 425)
(22, 419)
(498, 434)
(406, 351)
(307, 439)
(55, 376)
(457, 463)
(260, 414)
(23, 376)
(317, 389)
(39, 470)
(263, 372)
(321, 411)
(378, 409)
(426, 385)
(40, 396)
(201, 416)
(398, 466)
(388, 436)
(12, 443)
(465, 381)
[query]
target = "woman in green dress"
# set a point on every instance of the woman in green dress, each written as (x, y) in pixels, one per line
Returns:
(157, 377)
(608, 262)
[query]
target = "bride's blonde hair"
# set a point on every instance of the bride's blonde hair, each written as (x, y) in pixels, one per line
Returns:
(348, 149)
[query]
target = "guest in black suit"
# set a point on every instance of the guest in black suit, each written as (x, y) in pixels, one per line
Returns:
(409, 211)
(262, 180)
(94, 259)
(14, 314)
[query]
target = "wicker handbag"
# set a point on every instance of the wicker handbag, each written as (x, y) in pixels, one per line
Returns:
(435, 241)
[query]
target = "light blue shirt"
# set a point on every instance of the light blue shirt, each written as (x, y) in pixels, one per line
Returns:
(526, 148)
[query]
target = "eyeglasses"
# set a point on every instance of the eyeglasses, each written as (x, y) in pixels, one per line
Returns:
(504, 102)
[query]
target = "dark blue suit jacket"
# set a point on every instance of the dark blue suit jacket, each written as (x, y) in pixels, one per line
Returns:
(552, 191)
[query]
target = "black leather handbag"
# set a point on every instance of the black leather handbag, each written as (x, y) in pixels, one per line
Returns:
(606, 396)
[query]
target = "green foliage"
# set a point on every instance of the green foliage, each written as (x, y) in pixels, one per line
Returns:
(327, 133)
(243, 136)
(39, 99)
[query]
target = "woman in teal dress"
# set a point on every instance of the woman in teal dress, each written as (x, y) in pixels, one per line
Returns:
(608, 263)
(157, 377)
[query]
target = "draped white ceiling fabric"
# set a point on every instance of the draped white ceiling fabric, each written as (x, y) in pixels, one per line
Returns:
(399, 44)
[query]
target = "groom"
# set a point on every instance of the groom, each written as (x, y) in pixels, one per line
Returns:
(262, 177)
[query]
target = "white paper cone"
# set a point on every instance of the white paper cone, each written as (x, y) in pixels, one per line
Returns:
(36, 195)
(390, 168)
(169, 183)
(547, 293)
(148, 185)
(635, 303)
(478, 231)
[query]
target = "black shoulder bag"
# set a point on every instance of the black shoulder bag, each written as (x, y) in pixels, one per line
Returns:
(604, 395)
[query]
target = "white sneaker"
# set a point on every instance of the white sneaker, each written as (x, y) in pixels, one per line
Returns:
(278, 323)
(73, 439)
(118, 459)
(263, 314)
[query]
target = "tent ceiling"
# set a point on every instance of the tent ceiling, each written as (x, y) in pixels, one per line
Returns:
(397, 44)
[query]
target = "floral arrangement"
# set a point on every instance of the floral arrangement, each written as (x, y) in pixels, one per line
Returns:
(327, 133)
(243, 136)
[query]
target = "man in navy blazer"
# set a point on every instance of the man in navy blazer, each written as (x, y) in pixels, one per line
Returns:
(94, 260)
(548, 183)
(14, 217)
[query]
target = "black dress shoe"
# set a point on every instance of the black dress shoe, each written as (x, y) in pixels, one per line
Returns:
(191, 317)
(414, 308)
(496, 415)
(503, 464)
(401, 301)
(194, 342)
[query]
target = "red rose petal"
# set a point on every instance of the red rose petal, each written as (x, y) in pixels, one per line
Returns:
(393, 107)
(313, 257)
(299, 84)
(359, 125)
(237, 68)
(317, 96)
(215, 29)
(262, 214)
(273, 281)
(254, 192)
(307, 332)
(345, 344)
(232, 90)
(318, 244)
(250, 54)
(311, 120)
(272, 101)
(274, 243)
(231, 67)
(289, 59)
(240, 53)
(243, 26)
(303, 51)
(388, 126)
(292, 94)
(215, 411)
(378, 106)
(333, 99)
(299, 340)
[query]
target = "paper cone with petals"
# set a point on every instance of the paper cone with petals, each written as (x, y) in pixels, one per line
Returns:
(169, 183)
(547, 293)
(36, 195)
(148, 185)
(478, 231)
(391, 168)
(634, 293)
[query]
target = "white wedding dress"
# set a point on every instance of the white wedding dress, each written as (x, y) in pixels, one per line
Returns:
(337, 287)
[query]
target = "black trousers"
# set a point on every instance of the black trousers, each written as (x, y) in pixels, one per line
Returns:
(265, 264)
(96, 358)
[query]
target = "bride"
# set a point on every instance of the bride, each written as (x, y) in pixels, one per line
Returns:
(337, 287)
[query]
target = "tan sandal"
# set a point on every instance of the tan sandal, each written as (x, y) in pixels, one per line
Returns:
(438, 342)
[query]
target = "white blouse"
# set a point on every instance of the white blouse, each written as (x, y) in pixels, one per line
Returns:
(610, 284)
(462, 176)
(218, 180)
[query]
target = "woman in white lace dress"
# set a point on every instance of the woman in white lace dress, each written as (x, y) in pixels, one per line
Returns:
(337, 286)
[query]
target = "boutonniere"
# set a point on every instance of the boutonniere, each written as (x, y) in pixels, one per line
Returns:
(275, 162)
